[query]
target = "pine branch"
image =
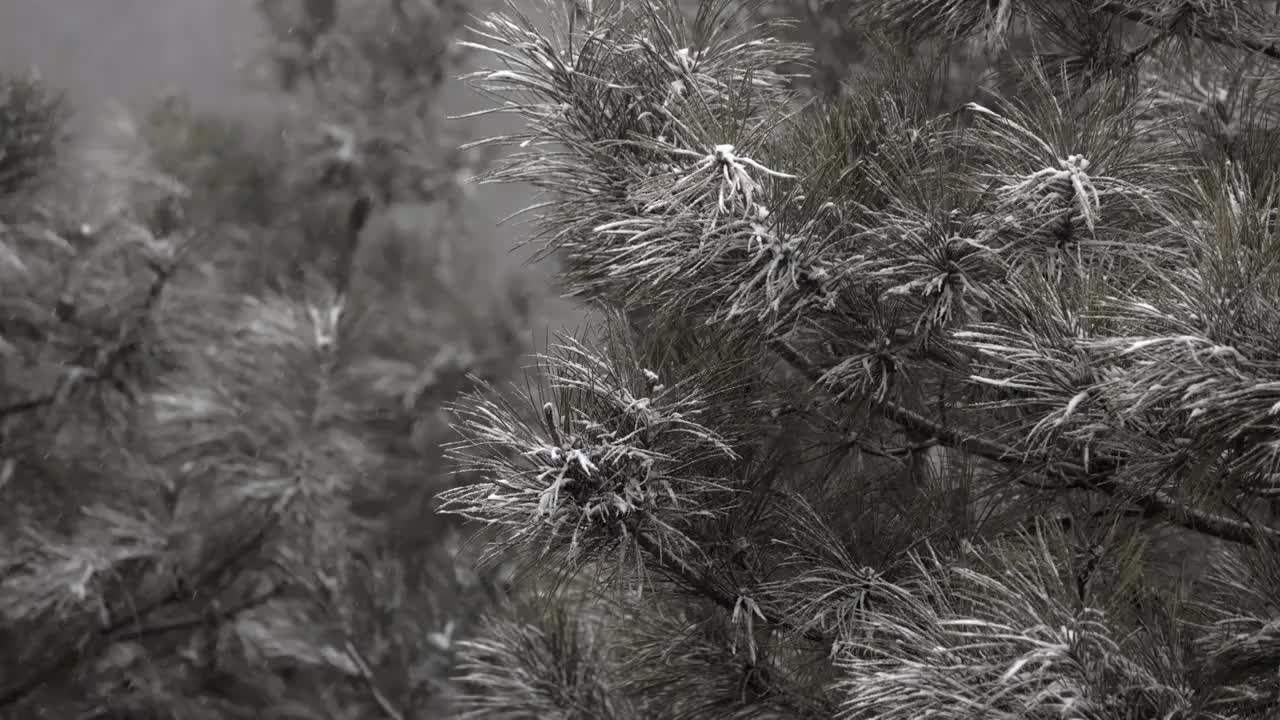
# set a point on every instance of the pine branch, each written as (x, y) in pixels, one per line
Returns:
(109, 357)
(1154, 504)
(71, 656)
(1248, 44)
(686, 574)
(1253, 654)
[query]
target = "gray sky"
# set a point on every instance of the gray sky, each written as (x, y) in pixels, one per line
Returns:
(134, 50)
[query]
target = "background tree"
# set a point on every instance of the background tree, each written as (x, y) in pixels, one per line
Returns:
(949, 391)
(214, 472)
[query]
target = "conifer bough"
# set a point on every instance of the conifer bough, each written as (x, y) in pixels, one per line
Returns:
(970, 384)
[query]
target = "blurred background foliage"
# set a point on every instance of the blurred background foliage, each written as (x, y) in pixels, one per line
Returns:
(226, 353)
(32, 120)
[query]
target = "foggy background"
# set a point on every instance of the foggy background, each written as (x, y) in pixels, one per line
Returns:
(137, 51)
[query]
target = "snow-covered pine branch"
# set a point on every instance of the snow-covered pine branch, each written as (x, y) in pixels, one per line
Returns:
(1002, 338)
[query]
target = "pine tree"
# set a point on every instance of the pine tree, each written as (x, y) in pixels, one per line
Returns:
(213, 487)
(948, 391)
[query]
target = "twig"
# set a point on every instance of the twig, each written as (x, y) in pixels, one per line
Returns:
(366, 674)
(1155, 504)
(28, 405)
(681, 569)
(897, 454)
(321, 594)
(221, 616)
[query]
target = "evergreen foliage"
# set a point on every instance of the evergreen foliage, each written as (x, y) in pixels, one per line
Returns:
(31, 128)
(934, 373)
(950, 391)
(214, 482)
